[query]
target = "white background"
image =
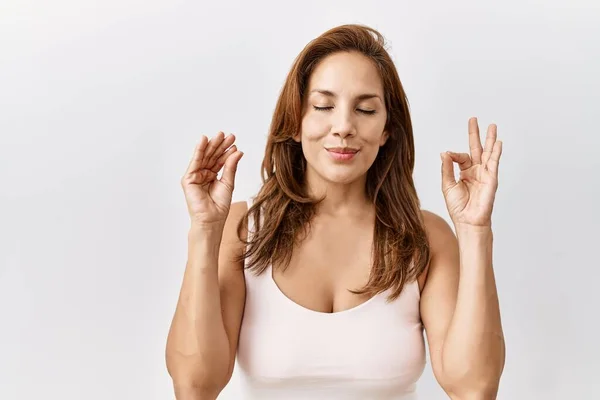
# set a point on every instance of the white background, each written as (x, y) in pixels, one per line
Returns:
(101, 104)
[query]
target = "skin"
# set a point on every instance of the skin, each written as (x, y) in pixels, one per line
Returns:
(459, 303)
(335, 256)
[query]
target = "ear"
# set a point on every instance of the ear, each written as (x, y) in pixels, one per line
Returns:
(384, 138)
(297, 138)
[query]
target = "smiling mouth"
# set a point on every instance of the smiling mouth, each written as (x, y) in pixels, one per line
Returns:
(342, 150)
(342, 154)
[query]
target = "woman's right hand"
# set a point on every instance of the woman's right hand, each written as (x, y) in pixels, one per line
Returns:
(208, 198)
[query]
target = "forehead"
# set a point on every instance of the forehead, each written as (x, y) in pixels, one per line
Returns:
(346, 73)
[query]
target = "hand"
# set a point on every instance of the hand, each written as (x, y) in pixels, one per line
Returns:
(208, 198)
(470, 200)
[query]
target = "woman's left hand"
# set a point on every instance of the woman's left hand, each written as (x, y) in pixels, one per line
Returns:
(470, 200)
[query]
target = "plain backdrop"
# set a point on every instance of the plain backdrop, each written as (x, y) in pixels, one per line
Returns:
(101, 104)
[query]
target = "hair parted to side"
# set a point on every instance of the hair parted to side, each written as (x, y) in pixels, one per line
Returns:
(282, 210)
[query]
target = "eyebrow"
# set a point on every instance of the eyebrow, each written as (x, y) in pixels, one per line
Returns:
(363, 96)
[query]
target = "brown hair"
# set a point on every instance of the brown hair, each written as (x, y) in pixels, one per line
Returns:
(282, 209)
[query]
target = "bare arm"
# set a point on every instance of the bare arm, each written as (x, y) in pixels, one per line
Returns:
(202, 341)
(460, 312)
(203, 338)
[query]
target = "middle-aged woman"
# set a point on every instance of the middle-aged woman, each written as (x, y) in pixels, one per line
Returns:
(323, 283)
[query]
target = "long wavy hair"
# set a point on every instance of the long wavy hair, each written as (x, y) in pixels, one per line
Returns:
(282, 209)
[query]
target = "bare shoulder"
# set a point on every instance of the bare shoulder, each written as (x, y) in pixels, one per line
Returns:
(231, 238)
(239, 208)
(439, 232)
(442, 240)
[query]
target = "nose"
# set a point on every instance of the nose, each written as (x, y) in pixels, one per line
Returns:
(343, 125)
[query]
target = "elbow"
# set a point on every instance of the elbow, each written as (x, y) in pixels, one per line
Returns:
(472, 387)
(194, 379)
(482, 391)
(196, 387)
(190, 392)
(473, 378)
(478, 384)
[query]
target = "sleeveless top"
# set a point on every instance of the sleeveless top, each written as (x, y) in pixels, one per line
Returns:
(375, 350)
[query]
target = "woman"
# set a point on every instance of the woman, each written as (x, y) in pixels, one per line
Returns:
(342, 269)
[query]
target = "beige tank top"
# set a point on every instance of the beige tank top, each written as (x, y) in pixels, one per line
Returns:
(375, 350)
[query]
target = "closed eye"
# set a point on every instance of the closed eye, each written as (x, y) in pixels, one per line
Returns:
(322, 108)
(368, 112)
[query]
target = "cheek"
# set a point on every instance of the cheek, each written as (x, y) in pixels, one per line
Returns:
(311, 147)
(313, 125)
(312, 132)
(374, 130)
(372, 142)
(369, 155)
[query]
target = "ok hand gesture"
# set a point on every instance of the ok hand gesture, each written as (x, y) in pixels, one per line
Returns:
(471, 199)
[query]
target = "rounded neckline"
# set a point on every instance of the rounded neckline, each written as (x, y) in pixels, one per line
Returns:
(307, 310)
(315, 312)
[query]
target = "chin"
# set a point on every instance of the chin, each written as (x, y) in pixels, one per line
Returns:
(340, 176)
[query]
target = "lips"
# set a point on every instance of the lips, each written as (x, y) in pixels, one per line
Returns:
(342, 150)
(342, 154)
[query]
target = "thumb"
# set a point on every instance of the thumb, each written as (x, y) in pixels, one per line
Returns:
(448, 180)
(230, 168)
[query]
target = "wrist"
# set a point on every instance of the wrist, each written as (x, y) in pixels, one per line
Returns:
(205, 248)
(206, 229)
(205, 234)
(468, 229)
(474, 234)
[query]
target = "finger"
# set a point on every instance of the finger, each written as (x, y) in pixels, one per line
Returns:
(492, 164)
(203, 177)
(462, 159)
(213, 144)
(198, 155)
(221, 160)
(474, 141)
(227, 141)
(448, 180)
(230, 168)
(490, 139)
(200, 177)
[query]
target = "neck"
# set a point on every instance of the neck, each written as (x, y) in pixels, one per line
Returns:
(340, 199)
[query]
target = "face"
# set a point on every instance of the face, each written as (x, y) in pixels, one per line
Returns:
(344, 117)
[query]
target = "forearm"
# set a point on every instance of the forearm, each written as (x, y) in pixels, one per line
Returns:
(473, 350)
(197, 346)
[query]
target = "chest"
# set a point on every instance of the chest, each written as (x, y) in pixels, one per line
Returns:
(326, 265)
